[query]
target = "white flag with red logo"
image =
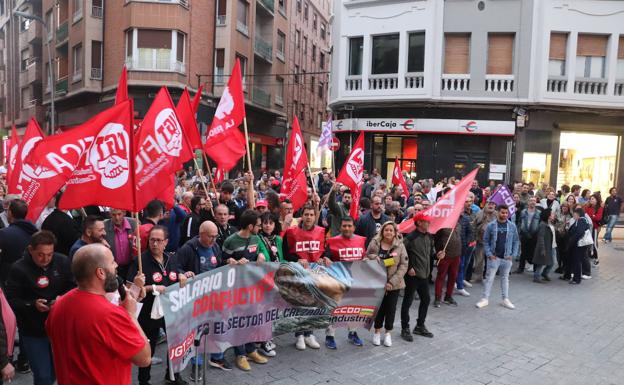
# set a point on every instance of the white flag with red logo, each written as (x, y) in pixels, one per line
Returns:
(159, 142)
(294, 186)
(225, 144)
(21, 173)
(446, 211)
(352, 173)
(398, 179)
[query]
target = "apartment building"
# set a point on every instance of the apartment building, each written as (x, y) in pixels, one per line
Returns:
(449, 86)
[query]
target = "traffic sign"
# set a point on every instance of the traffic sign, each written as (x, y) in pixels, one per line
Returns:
(335, 144)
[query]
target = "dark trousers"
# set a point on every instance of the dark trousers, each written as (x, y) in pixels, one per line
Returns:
(576, 255)
(387, 309)
(421, 286)
(39, 353)
(528, 248)
(150, 328)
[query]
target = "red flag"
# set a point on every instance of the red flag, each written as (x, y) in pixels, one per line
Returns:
(225, 144)
(398, 180)
(11, 155)
(122, 88)
(94, 157)
(186, 114)
(20, 172)
(158, 144)
(197, 99)
(446, 211)
(294, 186)
(105, 174)
(167, 196)
(351, 175)
(219, 175)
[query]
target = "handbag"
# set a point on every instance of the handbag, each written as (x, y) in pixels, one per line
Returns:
(157, 309)
(587, 238)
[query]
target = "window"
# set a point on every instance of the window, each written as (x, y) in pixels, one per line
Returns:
(241, 17)
(416, 52)
(96, 59)
(48, 19)
(305, 11)
(77, 10)
(303, 76)
(385, 57)
(180, 47)
(321, 88)
(279, 92)
(305, 45)
(281, 45)
(314, 21)
(156, 49)
(500, 53)
(302, 112)
(323, 31)
(295, 108)
(456, 53)
(221, 11)
(296, 75)
(77, 61)
(312, 83)
(26, 97)
(557, 54)
(24, 59)
(322, 60)
(356, 46)
(620, 63)
(243, 68)
(298, 38)
(591, 51)
(282, 6)
(24, 23)
(219, 66)
(313, 52)
(298, 6)
(96, 8)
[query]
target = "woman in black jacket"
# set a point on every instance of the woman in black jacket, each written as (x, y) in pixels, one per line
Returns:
(576, 252)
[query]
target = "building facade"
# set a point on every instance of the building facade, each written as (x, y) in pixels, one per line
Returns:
(449, 86)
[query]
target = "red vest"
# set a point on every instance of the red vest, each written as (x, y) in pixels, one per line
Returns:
(347, 249)
(308, 245)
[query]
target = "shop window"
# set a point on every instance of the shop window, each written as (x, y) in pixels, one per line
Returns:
(500, 53)
(385, 54)
(356, 46)
(457, 53)
(557, 55)
(416, 52)
(536, 167)
(591, 51)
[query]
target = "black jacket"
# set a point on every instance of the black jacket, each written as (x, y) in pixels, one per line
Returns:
(13, 242)
(64, 228)
(188, 256)
(367, 227)
(190, 227)
(419, 247)
(28, 282)
(234, 210)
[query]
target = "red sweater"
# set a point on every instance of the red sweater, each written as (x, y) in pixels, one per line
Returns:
(595, 215)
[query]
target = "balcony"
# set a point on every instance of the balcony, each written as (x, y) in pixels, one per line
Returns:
(588, 86)
(32, 34)
(32, 72)
(62, 33)
(77, 76)
(77, 15)
(269, 5)
(353, 83)
(619, 87)
(383, 82)
(220, 20)
(97, 12)
(62, 86)
(96, 73)
(499, 83)
(242, 28)
(154, 65)
(557, 84)
(261, 97)
(263, 48)
(279, 100)
(455, 82)
(415, 80)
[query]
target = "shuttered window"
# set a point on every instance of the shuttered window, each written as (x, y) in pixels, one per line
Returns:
(558, 44)
(591, 51)
(620, 62)
(500, 53)
(591, 45)
(457, 53)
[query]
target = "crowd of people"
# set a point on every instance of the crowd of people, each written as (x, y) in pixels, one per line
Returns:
(75, 273)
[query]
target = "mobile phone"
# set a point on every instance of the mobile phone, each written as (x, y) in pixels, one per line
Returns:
(121, 289)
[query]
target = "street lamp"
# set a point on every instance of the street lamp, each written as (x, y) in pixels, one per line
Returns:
(50, 72)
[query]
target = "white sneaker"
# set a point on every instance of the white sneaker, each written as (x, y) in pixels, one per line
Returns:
(586, 276)
(300, 345)
(507, 303)
(482, 303)
(467, 284)
(156, 360)
(311, 342)
(387, 340)
(377, 339)
(529, 268)
(463, 292)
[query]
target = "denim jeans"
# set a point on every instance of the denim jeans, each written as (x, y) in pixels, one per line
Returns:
(492, 268)
(463, 266)
(243, 350)
(39, 354)
(610, 225)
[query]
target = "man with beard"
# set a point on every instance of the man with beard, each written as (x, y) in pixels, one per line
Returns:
(369, 224)
(338, 210)
(190, 226)
(94, 341)
(93, 231)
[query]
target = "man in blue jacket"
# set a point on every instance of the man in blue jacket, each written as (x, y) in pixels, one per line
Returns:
(501, 245)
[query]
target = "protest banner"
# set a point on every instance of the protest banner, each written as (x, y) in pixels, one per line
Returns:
(234, 305)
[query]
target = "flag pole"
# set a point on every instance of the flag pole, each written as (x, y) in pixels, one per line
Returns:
(449, 238)
(209, 171)
(201, 179)
(251, 183)
(138, 241)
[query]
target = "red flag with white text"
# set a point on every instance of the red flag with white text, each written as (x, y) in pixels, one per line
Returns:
(352, 173)
(294, 183)
(186, 116)
(225, 144)
(11, 153)
(398, 179)
(122, 87)
(446, 211)
(21, 173)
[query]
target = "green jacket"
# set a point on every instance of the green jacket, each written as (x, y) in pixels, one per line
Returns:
(264, 248)
(337, 211)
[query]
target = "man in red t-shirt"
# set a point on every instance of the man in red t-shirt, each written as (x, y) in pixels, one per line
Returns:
(93, 341)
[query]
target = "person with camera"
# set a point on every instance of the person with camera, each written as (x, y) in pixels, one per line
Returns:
(34, 283)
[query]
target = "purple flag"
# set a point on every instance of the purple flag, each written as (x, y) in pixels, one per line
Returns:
(504, 196)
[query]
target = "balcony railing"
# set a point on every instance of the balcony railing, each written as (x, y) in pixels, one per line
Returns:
(353, 83)
(62, 85)
(242, 27)
(383, 82)
(97, 12)
(96, 73)
(619, 88)
(279, 100)
(263, 48)
(62, 32)
(499, 83)
(587, 86)
(77, 15)
(269, 5)
(557, 84)
(221, 20)
(415, 80)
(455, 82)
(155, 65)
(77, 76)
(261, 97)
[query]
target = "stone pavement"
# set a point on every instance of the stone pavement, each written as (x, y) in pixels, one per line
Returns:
(558, 334)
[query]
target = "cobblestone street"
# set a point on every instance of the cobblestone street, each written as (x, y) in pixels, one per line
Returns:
(558, 334)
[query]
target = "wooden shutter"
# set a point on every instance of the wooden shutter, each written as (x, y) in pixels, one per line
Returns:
(456, 53)
(558, 44)
(152, 38)
(621, 48)
(592, 45)
(96, 54)
(180, 47)
(500, 54)
(220, 58)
